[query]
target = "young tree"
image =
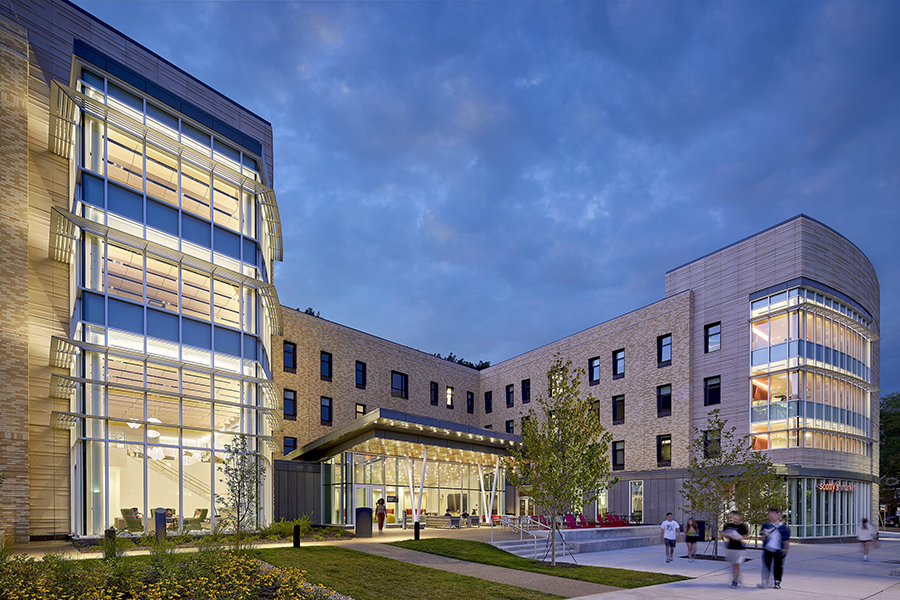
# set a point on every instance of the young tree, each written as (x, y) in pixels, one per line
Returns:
(243, 476)
(725, 472)
(564, 453)
(758, 489)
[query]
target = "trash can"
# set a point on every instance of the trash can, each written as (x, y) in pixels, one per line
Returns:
(363, 522)
(701, 529)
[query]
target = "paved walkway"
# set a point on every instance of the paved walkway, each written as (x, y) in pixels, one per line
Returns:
(548, 584)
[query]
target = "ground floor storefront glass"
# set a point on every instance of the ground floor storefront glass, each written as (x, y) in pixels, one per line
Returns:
(359, 479)
(822, 507)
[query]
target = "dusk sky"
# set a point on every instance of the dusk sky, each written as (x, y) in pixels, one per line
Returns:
(487, 177)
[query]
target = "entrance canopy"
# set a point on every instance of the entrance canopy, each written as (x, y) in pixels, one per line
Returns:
(396, 433)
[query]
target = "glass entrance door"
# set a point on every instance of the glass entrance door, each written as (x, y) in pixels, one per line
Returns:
(366, 496)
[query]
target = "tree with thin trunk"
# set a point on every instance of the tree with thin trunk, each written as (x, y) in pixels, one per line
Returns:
(564, 454)
(243, 475)
(725, 473)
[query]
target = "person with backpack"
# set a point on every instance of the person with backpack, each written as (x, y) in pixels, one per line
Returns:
(776, 539)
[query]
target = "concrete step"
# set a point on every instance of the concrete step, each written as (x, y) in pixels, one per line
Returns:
(586, 540)
(613, 543)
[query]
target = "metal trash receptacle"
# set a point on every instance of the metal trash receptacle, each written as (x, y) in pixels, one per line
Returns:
(363, 522)
(701, 529)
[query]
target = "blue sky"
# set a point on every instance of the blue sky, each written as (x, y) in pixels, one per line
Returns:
(486, 177)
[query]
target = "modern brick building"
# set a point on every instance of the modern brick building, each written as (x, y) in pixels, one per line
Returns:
(138, 234)
(779, 332)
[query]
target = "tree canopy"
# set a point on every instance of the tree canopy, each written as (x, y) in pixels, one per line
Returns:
(564, 455)
(889, 460)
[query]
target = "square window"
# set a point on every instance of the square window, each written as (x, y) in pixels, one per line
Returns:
(290, 444)
(594, 371)
(360, 375)
(470, 403)
(326, 411)
(664, 350)
(526, 391)
(510, 396)
(290, 405)
(618, 456)
(618, 364)
(664, 401)
(511, 427)
(712, 391)
(449, 397)
(618, 410)
(399, 385)
(488, 402)
(325, 366)
(290, 357)
(360, 410)
(712, 336)
(664, 450)
(434, 393)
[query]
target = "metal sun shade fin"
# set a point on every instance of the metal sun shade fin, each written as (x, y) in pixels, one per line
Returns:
(69, 101)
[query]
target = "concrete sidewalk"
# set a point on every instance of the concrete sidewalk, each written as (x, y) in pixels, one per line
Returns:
(835, 571)
(548, 584)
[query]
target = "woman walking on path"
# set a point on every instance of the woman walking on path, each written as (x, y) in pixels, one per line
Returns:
(691, 535)
(380, 513)
(735, 531)
(866, 535)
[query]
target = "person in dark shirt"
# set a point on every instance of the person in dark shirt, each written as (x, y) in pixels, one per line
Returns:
(734, 532)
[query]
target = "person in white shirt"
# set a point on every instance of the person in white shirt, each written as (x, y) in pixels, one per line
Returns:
(669, 535)
(866, 535)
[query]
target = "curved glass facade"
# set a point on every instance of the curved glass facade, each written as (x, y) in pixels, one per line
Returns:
(173, 314)
(809, 384)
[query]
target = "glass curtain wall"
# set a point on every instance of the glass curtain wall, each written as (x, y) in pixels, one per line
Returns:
(826, 507)
(809, 385)
(449, 487)
(175, 362)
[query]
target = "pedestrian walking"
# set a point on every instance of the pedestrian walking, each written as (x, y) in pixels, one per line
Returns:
(776, 539)
(735, 531)
(380, 514)
(669, 534)
(691, 535)
(867, 536)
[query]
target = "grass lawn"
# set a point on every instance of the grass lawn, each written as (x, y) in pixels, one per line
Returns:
(367, 577)
(480, 552)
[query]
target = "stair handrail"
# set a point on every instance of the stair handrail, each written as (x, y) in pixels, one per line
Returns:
(505, 521)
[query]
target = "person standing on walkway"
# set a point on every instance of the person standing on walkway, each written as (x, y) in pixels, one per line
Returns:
(866, 535)
(776, 538)
(380, 514)
(669, 534)
(691, 535)
(735, 531)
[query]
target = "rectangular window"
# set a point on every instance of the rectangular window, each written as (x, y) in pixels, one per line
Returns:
(618, 456)
(434, 393)
(594, 371)
(326, 412)
(712, 391)
(510, 396)
(470, 403)
(664, 350)
(290, 405)
(290, 444)
(618, 364)
(449, 397)
(664, 450)
(360, 410)
(526, 391)
(664, 401)
(360, 375)
(511, 427)
(489, 427)
(399, 385)
(711, 444)
(712, 335)
(488, 402)
(325, 368)
(618, 410)
(290, 357)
